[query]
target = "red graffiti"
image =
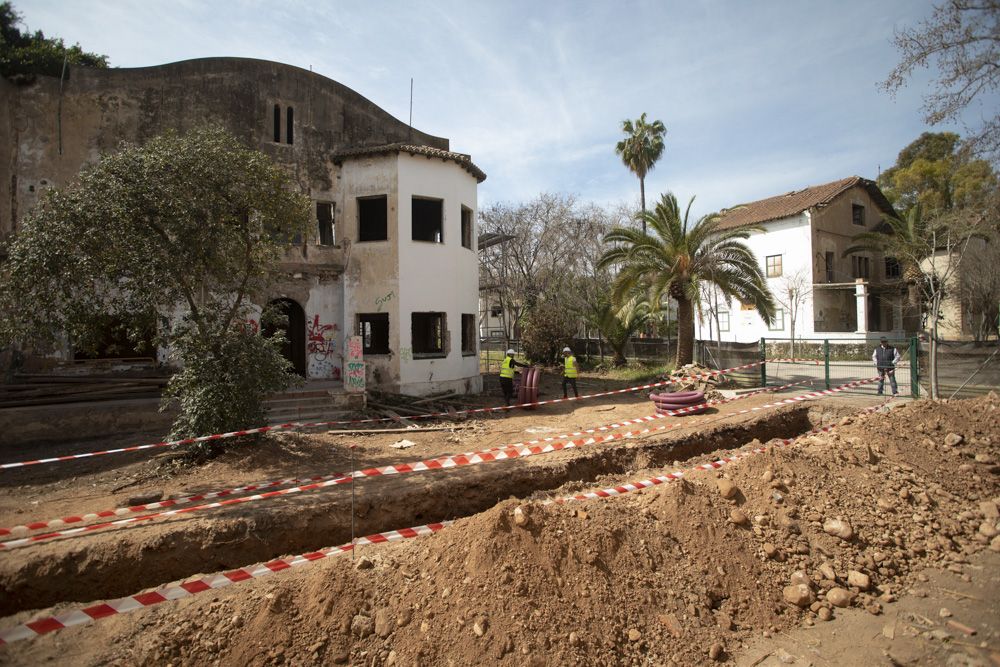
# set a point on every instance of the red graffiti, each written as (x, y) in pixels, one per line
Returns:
(322, 343)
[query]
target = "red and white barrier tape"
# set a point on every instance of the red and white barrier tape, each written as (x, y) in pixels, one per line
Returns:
(458, 460)
(712, 465)
(162, 504)
(290, 426)
(46, 624)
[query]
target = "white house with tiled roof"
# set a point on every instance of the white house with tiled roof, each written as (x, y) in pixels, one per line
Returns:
(800, 237)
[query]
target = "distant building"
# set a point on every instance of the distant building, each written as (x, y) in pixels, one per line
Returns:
(805, 234)
(392, 255)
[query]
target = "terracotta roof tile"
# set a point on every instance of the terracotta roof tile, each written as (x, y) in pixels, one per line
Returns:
(793, 203)
(465, 161)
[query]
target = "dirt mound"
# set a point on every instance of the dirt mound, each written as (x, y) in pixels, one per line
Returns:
(682, 573)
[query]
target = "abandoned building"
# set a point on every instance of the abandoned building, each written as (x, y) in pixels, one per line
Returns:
(392, 253)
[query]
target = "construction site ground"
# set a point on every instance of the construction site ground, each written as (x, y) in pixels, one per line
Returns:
(672, 574)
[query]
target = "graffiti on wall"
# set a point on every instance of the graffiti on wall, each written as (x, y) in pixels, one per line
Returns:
(382, 300)
(322, 349)
(355, 365)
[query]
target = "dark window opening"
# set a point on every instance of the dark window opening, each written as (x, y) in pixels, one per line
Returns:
(374, 331)
(829, 267)
(428, 220)
(858, 214)
(466, 227)
(892, 268)
(372, 218)
(277, 124)
(427, 334)
(495, 310)
(289, 127)
(468, 334)
(860, 267)
(324, 219)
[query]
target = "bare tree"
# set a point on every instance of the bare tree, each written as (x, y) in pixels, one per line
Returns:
(792, 292)
(550, 254)
(962, 39)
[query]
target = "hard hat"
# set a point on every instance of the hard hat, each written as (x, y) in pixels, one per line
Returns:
(511, 351)
(566, 349)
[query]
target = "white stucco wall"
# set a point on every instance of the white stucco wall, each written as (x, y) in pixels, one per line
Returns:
(791, 238)
(437, 277)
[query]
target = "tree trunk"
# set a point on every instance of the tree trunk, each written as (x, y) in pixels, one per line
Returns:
(642, 200)
(685, 331)
(933, 361)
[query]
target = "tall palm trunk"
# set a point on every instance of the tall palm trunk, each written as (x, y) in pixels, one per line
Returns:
(685, 331)
(642, 200)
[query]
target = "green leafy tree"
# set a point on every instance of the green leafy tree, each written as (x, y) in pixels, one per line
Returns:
(618, 325)
(189, 227)
(640, 150)
(548, 327)
(933, 173)
(25, 54)
(677, 258)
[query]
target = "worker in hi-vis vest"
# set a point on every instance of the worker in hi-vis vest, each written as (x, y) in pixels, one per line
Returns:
(569, 372)
(507, 371)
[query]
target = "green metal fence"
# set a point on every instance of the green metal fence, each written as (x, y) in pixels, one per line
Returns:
(833, 362)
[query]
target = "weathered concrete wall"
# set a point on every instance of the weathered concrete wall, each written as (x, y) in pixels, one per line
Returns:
(8, 153)
(102, 108)
(81, 421)
(372, 278)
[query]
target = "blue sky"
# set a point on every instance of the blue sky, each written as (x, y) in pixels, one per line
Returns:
(759, 98)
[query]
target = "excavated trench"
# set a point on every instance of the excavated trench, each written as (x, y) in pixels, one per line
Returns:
(119, 563)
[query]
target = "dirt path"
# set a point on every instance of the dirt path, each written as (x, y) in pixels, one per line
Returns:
(913, 631)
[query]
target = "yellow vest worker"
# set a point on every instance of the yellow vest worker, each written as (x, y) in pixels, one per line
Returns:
(569, 372)
(507, 370)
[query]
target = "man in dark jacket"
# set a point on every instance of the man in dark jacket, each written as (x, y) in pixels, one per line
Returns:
(886, 357)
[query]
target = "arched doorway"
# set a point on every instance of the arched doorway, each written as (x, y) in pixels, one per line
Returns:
(294, 348)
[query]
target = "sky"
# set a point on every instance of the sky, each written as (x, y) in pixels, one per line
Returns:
(759, 98)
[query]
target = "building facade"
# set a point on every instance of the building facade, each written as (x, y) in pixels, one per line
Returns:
(799, 239)
(391, 255)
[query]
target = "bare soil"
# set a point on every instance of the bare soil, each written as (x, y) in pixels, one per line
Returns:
(654, 577)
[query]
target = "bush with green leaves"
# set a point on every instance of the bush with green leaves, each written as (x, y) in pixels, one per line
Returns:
(189, 227)
(547, 329)
(221, 386)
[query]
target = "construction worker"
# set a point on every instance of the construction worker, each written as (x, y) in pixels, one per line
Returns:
(569, 371)
(507, 371)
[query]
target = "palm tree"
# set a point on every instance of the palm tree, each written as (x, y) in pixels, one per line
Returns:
(640, 149)
(618, 325)
(678, 257)
(905, 239)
